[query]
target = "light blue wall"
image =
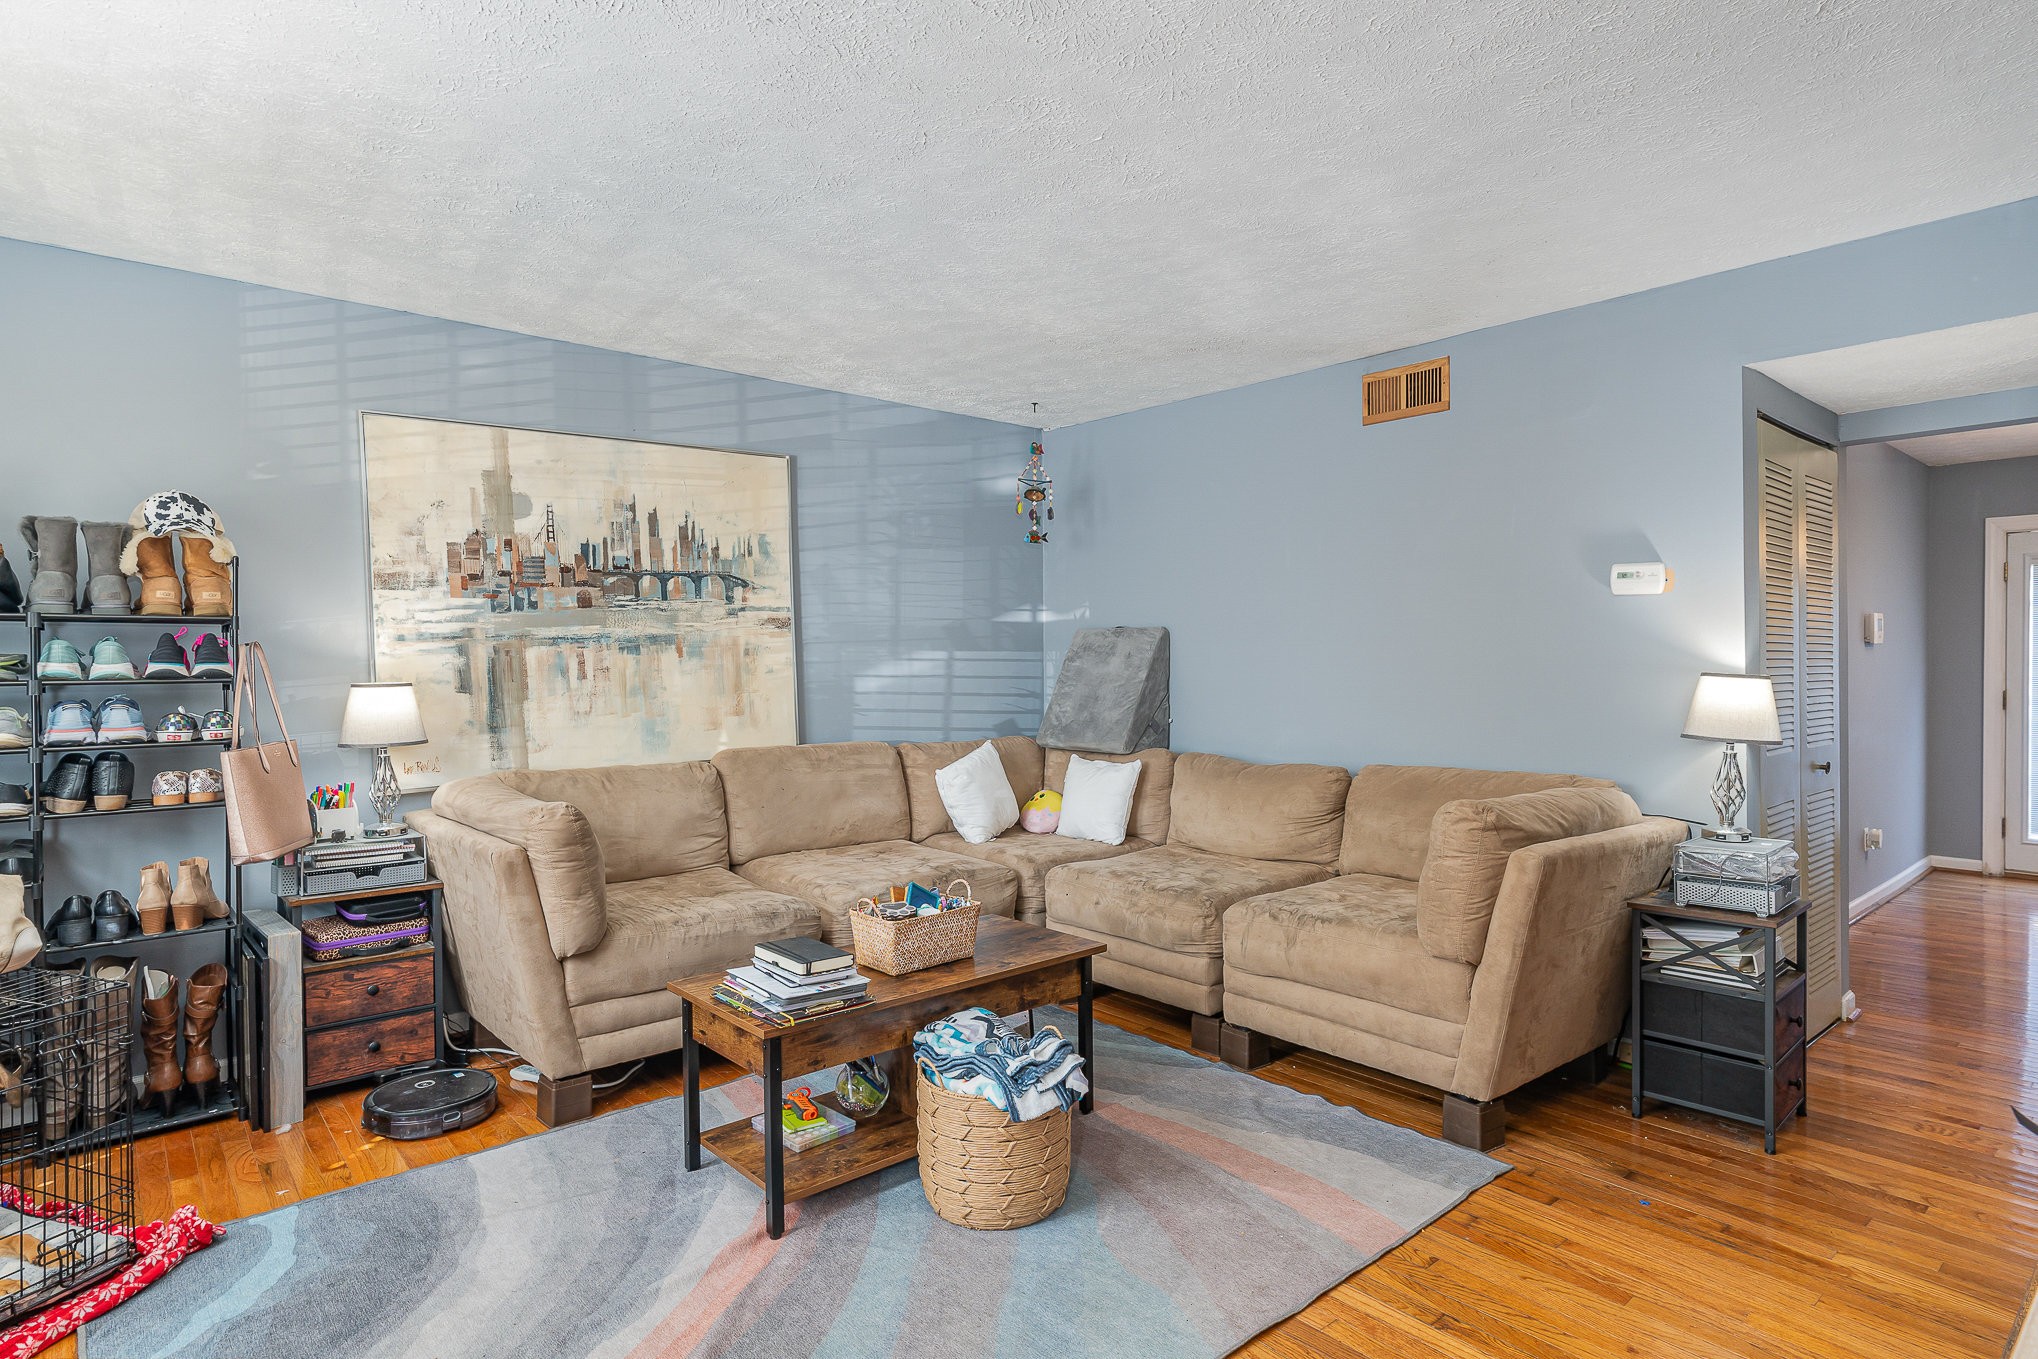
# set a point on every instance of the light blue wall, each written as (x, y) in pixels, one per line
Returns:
(1959, 500)
(918, 600)
(1884, 552)
(1435, 589)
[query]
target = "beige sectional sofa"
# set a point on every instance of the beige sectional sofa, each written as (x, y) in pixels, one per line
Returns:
(1462, 928)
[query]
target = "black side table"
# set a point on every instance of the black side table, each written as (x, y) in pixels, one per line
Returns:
(1707, 1041)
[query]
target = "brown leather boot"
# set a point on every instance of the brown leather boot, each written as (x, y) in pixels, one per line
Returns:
(193, 902)
(152, 903)
(156, 564)
(207, 580)
(159, 1036)
(201, 1011)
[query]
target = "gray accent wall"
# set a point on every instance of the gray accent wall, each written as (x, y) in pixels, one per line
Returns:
(919, 599)
(1959, 500)
(1435, 590)
(1884, 552)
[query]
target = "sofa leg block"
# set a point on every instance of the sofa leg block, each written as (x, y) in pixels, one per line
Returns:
(566, 1101)
(1206, 1034)
(1478, 1124)
(1244, 1048)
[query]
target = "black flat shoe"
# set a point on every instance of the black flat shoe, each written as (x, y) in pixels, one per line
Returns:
(112, 918)
(72, 923)
(17, 857)
(112, 781)
(69, 786)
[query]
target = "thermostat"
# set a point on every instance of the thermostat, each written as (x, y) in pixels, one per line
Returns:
(1642, 578)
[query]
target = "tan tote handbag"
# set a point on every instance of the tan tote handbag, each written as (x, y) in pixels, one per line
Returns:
(267, 815)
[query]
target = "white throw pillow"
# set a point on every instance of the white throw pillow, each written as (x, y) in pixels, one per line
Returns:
(978, 796)
(1096, 799)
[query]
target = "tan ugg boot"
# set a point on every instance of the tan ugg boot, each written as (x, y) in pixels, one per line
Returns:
(152, 903)
(156, 564)
(207, 580)
(192, 901)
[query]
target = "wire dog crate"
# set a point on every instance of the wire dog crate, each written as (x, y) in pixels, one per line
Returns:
(67, 1215)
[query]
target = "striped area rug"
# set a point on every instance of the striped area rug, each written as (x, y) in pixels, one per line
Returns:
(1206, 1205)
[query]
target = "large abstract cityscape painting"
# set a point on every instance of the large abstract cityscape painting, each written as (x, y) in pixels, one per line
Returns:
(562, 600)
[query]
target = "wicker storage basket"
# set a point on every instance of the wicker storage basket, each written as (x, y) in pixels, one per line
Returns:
(896, 947)
(982, 1170)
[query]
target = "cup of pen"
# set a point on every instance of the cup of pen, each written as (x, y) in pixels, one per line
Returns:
(333, 813)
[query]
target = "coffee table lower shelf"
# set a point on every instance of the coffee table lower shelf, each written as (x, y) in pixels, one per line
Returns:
(886, 1138)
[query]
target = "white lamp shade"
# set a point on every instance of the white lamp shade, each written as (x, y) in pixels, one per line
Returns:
(1734, 708)
(381, 715)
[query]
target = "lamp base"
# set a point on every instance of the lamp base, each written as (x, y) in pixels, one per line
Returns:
(1709, 832)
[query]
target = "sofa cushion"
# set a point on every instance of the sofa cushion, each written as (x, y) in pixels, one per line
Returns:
(1031, 856)
(1388, 816)
(784, 799)
(1171, 897)
(662, 929)
(1471, 841)
(1290, 812)
(565, 855)
(1149, 800)
(921, 760)
(1354, 935)
(834, 880)
(653, 820)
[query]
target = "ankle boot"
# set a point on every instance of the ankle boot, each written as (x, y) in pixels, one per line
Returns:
(20, 941)
(60, 1055)
(201, 1011)
(152, 903)
(52, 562)
(194, 900)
(106, 589)
(155, 561)
(106, 1075)
(207, 580)
(159, 1037)
(11, 598)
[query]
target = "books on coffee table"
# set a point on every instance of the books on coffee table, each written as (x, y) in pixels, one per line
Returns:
(770, 992)
(801, 957)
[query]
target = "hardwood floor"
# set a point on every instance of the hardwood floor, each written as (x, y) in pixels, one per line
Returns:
(1900, 1218)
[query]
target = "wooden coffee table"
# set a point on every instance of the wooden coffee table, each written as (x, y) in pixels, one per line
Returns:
(1016, 967)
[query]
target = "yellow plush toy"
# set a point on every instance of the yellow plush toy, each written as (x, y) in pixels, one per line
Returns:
(1042, 812)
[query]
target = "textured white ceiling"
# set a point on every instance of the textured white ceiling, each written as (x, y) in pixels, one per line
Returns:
(1934, 365)
(1973, 445)
(976, 206)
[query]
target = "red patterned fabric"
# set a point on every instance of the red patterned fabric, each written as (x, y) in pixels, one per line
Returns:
(160, 1245)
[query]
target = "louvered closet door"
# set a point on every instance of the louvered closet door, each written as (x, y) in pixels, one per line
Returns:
(1800, 784)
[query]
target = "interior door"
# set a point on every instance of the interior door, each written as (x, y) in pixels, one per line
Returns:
(2020, 701)
(1799, 553)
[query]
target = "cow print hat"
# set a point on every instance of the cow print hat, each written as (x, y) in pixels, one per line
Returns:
(174, 512)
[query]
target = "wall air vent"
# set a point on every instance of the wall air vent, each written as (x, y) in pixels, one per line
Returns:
(1417, 389)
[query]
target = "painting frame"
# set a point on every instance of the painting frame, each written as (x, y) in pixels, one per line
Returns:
(416, 781)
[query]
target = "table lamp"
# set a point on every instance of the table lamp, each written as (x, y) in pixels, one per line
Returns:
(379, 716)
(1732, 708)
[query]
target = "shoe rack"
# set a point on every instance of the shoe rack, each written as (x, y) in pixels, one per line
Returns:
(200, 825)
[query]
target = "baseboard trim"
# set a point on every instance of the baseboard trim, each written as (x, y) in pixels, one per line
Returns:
(1952, 865)
(1882, 892)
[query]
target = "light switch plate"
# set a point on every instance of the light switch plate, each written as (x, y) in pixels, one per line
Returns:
(1871, 629)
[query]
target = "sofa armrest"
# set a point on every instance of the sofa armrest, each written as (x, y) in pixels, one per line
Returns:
(498, 949)
(563, 855)
(1553, 984)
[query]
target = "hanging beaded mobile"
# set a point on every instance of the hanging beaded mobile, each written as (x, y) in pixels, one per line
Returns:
(1036, 492)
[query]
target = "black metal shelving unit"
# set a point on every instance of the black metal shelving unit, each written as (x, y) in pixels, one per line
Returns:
(227, 1099)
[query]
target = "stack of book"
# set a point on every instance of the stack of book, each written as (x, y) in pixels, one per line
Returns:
(1734, 964)
(793, 979)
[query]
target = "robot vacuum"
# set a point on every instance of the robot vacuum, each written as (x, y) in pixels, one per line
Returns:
(427, 1103)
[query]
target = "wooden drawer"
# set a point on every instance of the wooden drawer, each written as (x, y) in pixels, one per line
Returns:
(1722, 1019)
(1726, 1084)
(363, 1049)
(339, 992)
